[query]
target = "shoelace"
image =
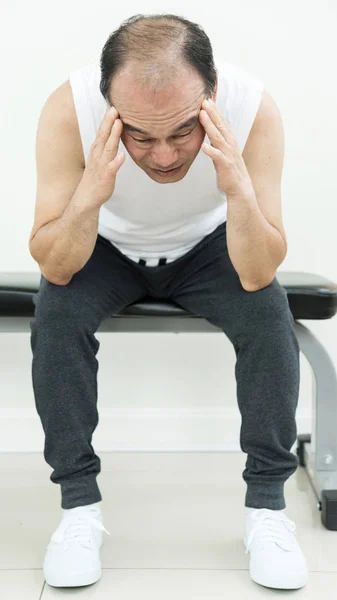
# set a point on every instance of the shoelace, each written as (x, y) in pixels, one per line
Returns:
(272, 528)
(78, 530)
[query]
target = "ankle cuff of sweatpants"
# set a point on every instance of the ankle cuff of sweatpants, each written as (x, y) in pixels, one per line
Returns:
(80, 491)
(265, 496)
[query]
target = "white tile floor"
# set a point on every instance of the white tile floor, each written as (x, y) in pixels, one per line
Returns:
(176, 524)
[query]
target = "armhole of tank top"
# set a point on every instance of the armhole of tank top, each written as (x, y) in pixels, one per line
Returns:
(249, 107)
(84, 110)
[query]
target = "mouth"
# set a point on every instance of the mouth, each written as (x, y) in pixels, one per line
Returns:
(167, 173)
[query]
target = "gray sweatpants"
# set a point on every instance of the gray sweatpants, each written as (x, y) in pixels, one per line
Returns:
(204, 282)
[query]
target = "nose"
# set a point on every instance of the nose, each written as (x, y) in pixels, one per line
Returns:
(166, 158)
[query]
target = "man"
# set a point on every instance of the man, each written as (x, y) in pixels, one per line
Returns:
(190, 210)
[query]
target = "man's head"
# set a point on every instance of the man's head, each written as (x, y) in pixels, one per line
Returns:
(157, 91)
(160, 114)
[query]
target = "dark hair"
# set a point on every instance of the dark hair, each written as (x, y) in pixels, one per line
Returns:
(160, 44)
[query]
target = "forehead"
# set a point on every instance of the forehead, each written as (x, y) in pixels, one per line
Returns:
(156, 88)
(189, 123)
(128, 94)
(139, 106)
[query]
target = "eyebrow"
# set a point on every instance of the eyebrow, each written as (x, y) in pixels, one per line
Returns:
(192, 121)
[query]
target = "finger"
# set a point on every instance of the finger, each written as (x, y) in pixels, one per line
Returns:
(212, 131)
(114, 138)
(219, 123)
(105, 127)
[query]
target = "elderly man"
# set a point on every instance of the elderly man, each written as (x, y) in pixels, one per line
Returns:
(188, 209)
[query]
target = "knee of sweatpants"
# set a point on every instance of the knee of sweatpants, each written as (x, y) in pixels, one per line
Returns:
(56, 304)
(269, 306)
(252, 313)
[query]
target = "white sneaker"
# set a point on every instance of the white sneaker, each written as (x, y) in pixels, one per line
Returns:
(72, 557)
(276, 559)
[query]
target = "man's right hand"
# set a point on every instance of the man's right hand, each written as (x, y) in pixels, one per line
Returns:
(102, 166)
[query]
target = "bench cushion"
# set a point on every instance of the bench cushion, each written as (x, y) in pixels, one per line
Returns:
(310, 297)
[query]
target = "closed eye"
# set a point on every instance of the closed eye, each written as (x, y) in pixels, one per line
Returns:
(177, 136)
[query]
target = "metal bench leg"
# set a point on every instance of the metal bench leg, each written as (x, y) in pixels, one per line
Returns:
(321, 459)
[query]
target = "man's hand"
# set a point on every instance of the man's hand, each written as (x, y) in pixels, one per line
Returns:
(232, 176)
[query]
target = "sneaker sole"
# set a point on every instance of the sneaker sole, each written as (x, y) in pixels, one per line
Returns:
(74, 579)
(295, 585)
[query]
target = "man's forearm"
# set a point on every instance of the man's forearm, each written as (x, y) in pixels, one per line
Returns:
(255, 247)
(64, 246)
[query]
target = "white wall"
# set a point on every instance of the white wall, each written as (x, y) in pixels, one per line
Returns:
(180, 386)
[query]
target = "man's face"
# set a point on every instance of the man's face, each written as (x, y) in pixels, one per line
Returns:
(159, 115)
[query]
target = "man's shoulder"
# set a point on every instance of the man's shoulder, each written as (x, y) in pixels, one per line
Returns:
(62, 106)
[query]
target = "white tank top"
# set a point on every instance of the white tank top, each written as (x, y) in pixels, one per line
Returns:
(149, 220)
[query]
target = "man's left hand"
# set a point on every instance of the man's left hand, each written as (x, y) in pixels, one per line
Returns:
(232, 176)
